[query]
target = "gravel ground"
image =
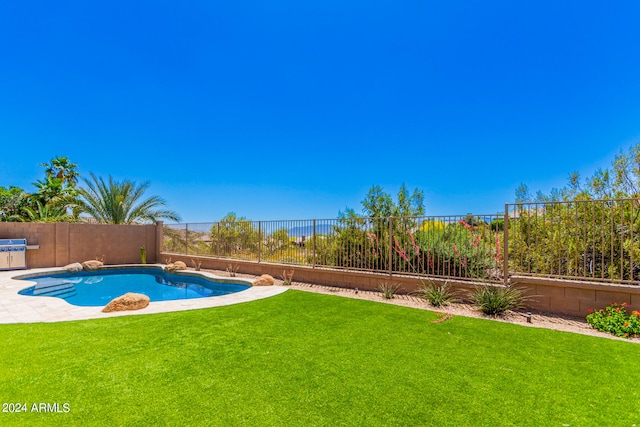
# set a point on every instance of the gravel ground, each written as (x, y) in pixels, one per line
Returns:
(538, 319)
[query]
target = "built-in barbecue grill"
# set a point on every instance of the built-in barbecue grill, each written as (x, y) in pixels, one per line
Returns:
(13, 254)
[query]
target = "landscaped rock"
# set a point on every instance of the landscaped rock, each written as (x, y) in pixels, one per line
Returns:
(92, 265)
(264, 280)
(128, 301)
(73, 268)
(175, 266)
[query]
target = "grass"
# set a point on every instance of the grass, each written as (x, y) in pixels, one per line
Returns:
(308, 359)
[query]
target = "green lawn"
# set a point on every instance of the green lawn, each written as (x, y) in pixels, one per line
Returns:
(307, 359)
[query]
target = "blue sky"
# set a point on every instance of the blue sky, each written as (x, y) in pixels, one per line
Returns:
(288, 109)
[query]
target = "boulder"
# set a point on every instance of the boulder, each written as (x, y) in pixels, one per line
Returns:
(128, 301)
(92, 265)
(264, 280)
(175, 266)
(73, 268)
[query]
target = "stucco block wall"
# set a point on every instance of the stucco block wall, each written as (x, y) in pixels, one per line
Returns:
(548, 295)
(321, 276)
(64, 243)
(573, 297)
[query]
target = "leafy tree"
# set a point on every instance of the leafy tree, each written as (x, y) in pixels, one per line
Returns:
(234, 235)
(473, 220)
(621, 180)
(363, 242)
(173, 239)
(12, 202)
(379, 204)
(522, 194)
(409, 205)
(122, 202)
(55, 195)
(624, 179)
(598, 239)
(276, 241)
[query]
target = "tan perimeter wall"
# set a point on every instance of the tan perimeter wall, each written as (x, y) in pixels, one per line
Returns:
(546, 295)
(574, 297)
(64, 243)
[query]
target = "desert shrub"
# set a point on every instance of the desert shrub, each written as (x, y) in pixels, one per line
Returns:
(388, 289)
(495, 300)
(458, 250)
(325, 250)
(431, 225)
(437, 295)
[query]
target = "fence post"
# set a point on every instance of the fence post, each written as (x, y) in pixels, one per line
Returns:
(314, 244)
(259, 241)
(218, 245)
(186, 239)
(390, 253)
(505, 256)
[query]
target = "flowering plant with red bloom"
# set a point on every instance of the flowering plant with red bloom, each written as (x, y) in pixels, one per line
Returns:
(615, 319)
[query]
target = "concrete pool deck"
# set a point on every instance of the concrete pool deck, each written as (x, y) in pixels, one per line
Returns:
(16, 308)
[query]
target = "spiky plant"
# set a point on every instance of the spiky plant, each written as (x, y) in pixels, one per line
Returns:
(495, 300)
(388, 290)
(437, 295)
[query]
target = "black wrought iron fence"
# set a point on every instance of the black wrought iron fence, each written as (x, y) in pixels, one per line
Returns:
(590, 239)
(451, 246)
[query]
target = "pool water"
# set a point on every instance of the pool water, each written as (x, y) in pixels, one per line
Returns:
(98, 288)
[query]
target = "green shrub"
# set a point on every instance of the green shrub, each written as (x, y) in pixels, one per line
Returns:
(495, 300)
(615, 320)
(437, 295)
(497, 224)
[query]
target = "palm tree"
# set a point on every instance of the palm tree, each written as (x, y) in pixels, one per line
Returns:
(121, 202)
(49, 212)
(49, 188)
(61, 168)
(57, 189)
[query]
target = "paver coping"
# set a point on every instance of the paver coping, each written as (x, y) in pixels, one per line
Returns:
(16, 308)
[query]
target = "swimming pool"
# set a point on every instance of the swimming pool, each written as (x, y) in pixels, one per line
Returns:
(97, 288)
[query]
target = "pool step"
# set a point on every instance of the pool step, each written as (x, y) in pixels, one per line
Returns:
(51, 287)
